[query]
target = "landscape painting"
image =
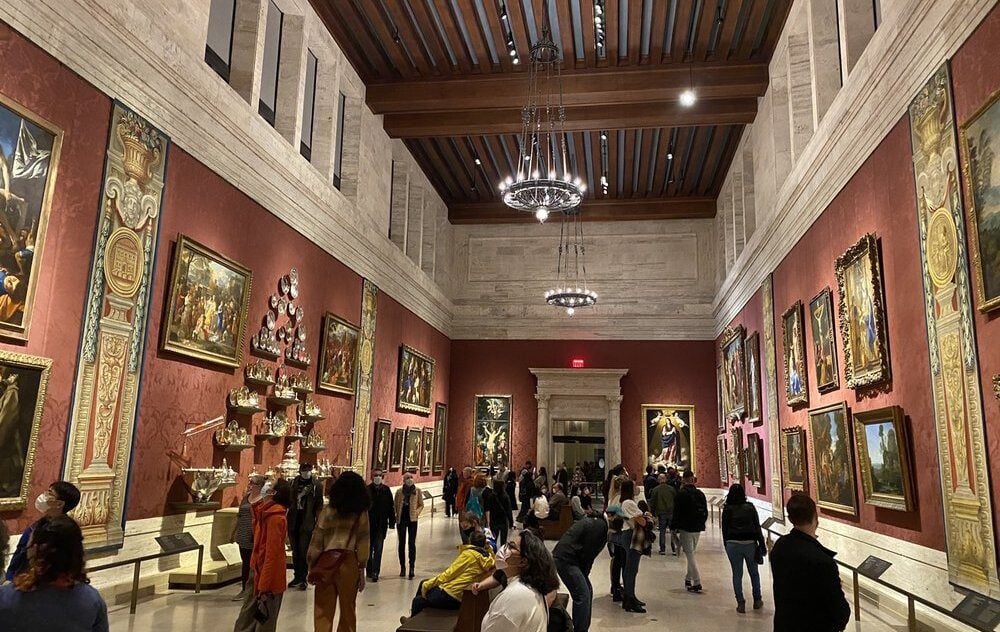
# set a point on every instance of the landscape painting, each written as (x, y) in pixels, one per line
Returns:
(830, 438)
(23, 382)
(824, 348)
(338, 356)
(668, 434)
(980, 140)
(885, 465)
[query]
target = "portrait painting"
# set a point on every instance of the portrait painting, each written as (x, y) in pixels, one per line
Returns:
(862, 314)
(29, 156)
(793, 334)
(338, 356)
(428, 451)
(723, 459)
(753, 460)
(736, 466)
(753, 378)
(23, 382)
(412, 450)
(833, 456)
(884, 456)
(206, 309)
(979, 137)
(668, 435)
(396, 449)
(793, 459)
(491, 434)
(734, 372)
(440, 432)
(413, 386)
(383, 441)
(824, 347)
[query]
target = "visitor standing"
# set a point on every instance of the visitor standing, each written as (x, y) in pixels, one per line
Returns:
(628, 545)
(243, 531)
(339, 552)
(744, 543)
(59, 499)
(307, 502)
(807, 590)
(464, 485)
(690, 513)
(409, 503)
(450, 492)
(542, 479)
(381, 518)
(500, 512)
(574, 556)
(649, 481)
(511, 488)
(259, 612)
(661, 504)
(523, 604)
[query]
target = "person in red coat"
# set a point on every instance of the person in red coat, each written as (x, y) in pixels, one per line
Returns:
(267, 563)
(464, 485)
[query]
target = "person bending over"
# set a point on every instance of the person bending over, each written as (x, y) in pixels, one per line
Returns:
(574, 556)
(474, 562)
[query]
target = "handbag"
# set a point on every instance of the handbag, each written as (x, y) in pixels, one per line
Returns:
(760, 553)
(324, 569)
(262, 612)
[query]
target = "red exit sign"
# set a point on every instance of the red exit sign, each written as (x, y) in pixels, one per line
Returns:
(577, 363)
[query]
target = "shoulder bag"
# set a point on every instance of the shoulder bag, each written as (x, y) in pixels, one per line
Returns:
(324, 570)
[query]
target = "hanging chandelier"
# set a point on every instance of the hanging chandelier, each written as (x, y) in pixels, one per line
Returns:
(543, 183)
(571, 291)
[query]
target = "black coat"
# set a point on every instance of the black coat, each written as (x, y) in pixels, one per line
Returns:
(382, 513)
(807, 592)
(307, 503)
(582, 543)
(741, 522)
(690, 510)
(450, 490)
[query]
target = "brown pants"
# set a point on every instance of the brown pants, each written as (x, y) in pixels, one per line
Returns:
(344, 590)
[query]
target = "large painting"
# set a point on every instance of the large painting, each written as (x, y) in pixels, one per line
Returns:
(723, 459)
(338, 356)
(830, 441)
(793, 458)
(824, 347)
(416, 376)
(29, 155)
(440, 432)
(427, 454)
(396, 449)
(491, 433)
(206, 313)
(412, 449)
(793, 334)
(668, 435)
(733, 372)
(883, 452)
(754, 462)
(383, 441)
(980, 136)
(862, 314)
(753, 378)
(23, 380)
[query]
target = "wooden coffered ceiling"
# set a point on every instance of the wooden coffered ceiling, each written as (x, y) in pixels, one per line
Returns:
(441, 73)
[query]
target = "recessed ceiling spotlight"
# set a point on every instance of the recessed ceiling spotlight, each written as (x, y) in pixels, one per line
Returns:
(670, 156)
(688, 98)
(478, 161)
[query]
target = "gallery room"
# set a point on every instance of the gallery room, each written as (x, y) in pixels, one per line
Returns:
(515, 267)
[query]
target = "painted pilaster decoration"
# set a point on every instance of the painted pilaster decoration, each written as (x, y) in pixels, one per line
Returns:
(366, 368)
(954, 365)
(106, 391)
(613, 445)
(544, 435)
(771, 393)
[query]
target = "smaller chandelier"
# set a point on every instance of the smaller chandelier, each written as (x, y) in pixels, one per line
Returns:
(571, 291)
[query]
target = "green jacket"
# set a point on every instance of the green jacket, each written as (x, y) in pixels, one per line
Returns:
(661, 499)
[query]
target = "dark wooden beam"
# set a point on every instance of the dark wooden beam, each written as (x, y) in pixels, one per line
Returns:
(602, 210)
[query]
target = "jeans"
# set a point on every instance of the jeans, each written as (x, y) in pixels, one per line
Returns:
(632, 558)
(377, 540)
(663, 522)
(580, 590)
(618, 558)
(407, 532)
(689, 544)
(299, 540)
(500, 532)
(740, 553)
(435, 598)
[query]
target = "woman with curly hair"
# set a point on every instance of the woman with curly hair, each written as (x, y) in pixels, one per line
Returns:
(54, 592)
(523, 605)
(338, 554)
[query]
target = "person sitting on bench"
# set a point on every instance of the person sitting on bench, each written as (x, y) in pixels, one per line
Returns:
(474, 563)
(557, 501)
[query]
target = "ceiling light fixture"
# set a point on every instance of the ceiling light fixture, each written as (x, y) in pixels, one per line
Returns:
(571, 291)
(688, 98)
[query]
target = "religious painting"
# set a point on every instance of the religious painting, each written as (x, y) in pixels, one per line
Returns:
(491, 433)
(830, 442)
(862, 314)
(824, 347)
(736, 465)
(412, 450)
(338, 356)
(718, 398)
(754, 462)
(206, 310)
(396, 449)
(753, 378)
(416, 375)
(980, 136)
(29, 156)
(723, 459)
(793, 458)
(427, 454)
(883, 452)
(23, 382)
(668, 435)
(793, 334)
(733, 372)
(383, 441)
(440, 432)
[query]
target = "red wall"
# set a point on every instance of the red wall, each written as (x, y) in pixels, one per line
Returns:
(660, 372)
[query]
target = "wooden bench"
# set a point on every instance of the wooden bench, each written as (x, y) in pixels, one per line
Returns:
(554, 529)
(468, 618)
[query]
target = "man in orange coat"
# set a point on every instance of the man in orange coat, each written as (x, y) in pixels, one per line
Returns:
(464, 485)
(267, 563)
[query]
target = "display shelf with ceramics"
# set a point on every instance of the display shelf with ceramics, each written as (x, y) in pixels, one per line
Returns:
(309, 411)
(313, 443)
(301, 383)
(243, 401)
(203, 482)
(274, 426)
(233, 438)
(259, 373)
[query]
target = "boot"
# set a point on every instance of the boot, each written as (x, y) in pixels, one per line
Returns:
(741, 606)
(633, 606)
(616, 594)
(402, 571)
(758, 603)
(411, 571)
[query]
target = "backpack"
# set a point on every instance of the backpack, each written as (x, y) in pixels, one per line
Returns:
(474, 503)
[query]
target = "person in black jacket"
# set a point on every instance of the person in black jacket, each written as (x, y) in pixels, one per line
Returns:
(649, 482)
(742, 537)
(807, 592)
(450, 492)
(511, 488)
(307, 503)
(499, 512)
(690, 513)
(381, 518)
(574, 555)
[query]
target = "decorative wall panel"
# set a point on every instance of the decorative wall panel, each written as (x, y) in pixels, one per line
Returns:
(105, 401)
(771, 396)
(366, 370)
(954, 363)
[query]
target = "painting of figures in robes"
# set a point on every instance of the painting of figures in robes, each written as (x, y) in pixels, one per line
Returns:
(753, 378)
(734, 392)
(338, 356)
(491, 438)
(793, 332)
(383, 440)
(416, 376)
(412, 450)
(824, 348)
(980, 139)
(23, 382)
(862, 314)
(830, 435)
(668, 435)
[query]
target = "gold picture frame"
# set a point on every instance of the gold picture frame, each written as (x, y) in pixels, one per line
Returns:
(180, 328)
(415, 381)
(793, 334)
(440, 435)
(338, 356)
(753, 397)
(736, 465)
(833, 459)
(382, 445)
(412, 448)
(396, 449)
(794, 464)
(754, 463)
(427, 451)
(723, 459)
(821, 325)
(21, 375)
(734, 372)
(862, 314)
(663, 420)
(885, 429)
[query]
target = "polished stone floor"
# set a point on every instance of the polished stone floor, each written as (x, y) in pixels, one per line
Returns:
(661, 585)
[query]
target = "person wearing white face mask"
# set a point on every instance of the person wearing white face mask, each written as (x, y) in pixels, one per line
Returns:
(381, 518)
(243, 530)
(60, 498)
(409, 502)
(307, 502)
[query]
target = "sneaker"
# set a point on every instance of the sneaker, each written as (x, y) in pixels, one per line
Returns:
(295, 583)
(695, 589)
(663, 552)
(758, 603)
(687, 583)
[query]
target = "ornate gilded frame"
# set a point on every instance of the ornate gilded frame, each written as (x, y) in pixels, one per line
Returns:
(795, 312)
(330, 387)
(867, 246)
(734, 403)
(382, 426)
(185, 242)
(754, 466)
(736, 466)
(826, 504)
(411, 406)
(44, 366)
(723, 459)
(751, 348)
(407, 465)
(826, 296)
(440, 435)
(797, 433)
(396, 442)
(691, 429)
(901, 502)
(426, 450)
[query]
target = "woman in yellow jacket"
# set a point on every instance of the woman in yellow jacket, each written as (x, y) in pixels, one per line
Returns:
(473, 564)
